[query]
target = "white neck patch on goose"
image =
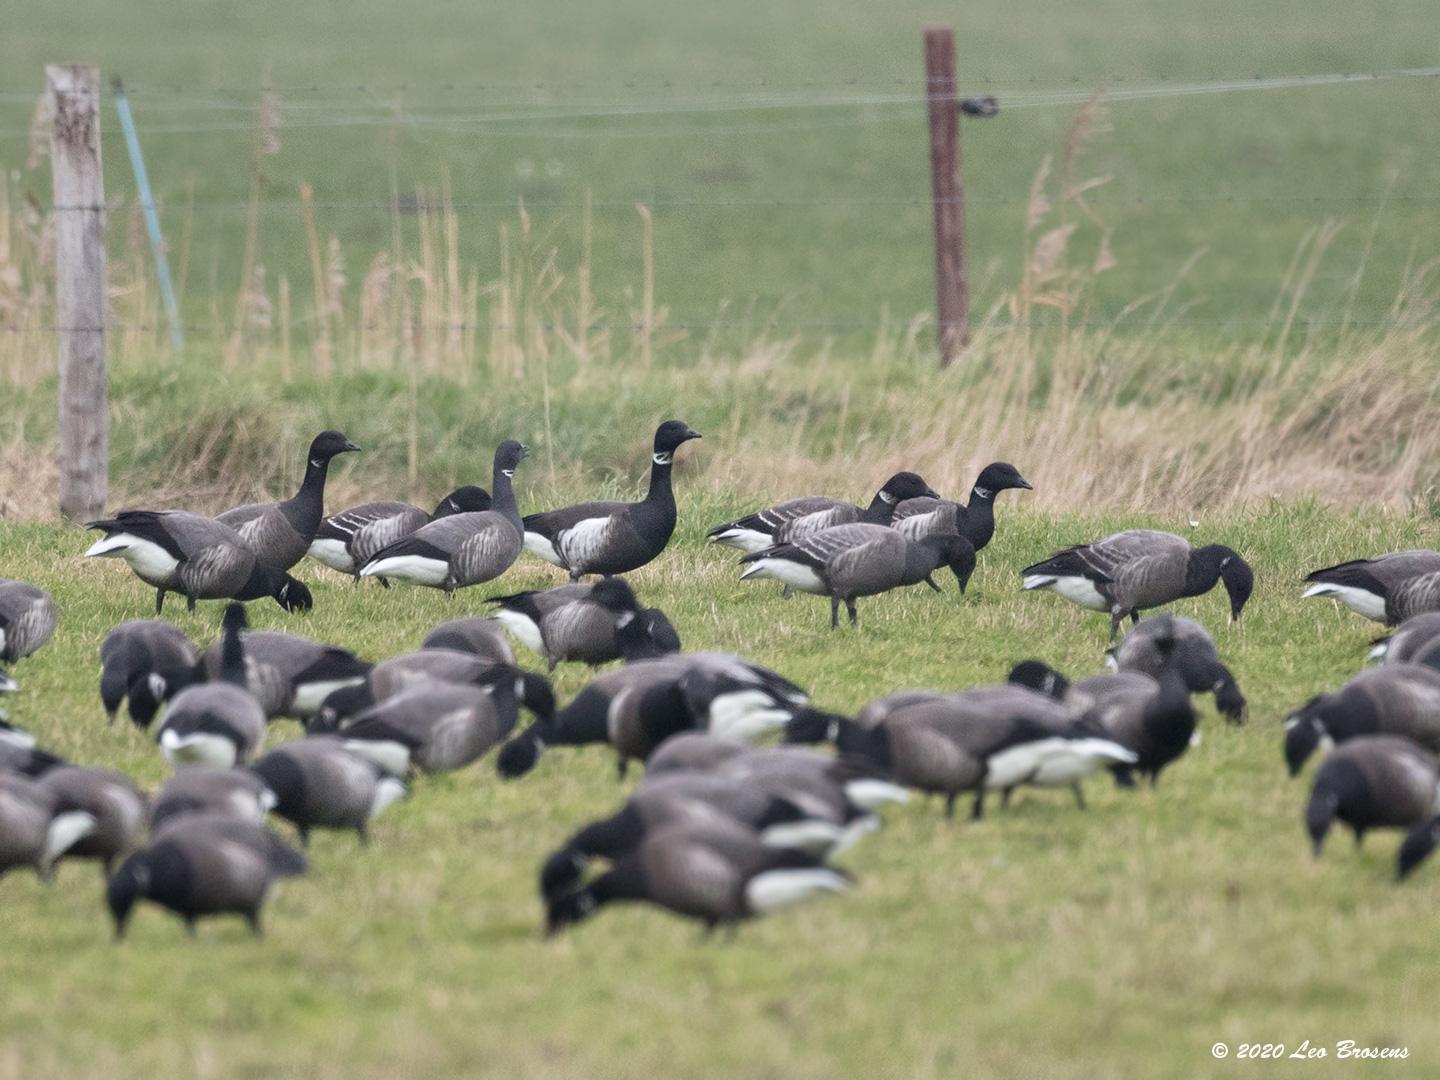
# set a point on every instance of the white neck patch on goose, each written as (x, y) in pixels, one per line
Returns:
(887, 498)
(660, 458)
(507, 472)
(983, 493)
(317, 462)
(625, 619)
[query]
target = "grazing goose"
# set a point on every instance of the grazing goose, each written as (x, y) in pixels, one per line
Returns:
(287, 674)
(134, 651)
(988, 739)
(929, 515)
(216, 723)
(111, 799)
(719, 873)
(35, 828)
(692, 799)
(850, 561)
(280, 533)
(321, 784)
(346, 541)
(1083, 694)
(1131, 572)
(482, 637)
(199, 557)
(237, 793)
(400, 673)
(202, 865)
(693, 751)
(1377, 782)
(613, 537)
(1415, 641)
(1195, 654)
(20, 755)
(441, 727)
(27, 619)
(583, 623)
(793, 519)
(637, 707)
(1398, 699)
(1156, 723)
(1376, 588)
(461, 549)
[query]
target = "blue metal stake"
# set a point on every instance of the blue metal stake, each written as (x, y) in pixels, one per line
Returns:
(152, 221)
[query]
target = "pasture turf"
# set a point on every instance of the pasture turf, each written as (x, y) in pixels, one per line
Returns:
(1043, 941)
(808, 219)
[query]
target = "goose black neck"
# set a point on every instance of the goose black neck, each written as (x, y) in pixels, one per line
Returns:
(232, 655)
(610, 837)
(880, 511)
(872, 745)
(1169, 714)
(307, 507)
(503, 500)
(979, 521)
(1202, 571)
(621, 882)
(921, 560)
(583, 721)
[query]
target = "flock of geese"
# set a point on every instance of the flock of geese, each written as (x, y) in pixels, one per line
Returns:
(722, 828)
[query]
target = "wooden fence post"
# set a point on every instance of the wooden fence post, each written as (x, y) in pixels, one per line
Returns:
(79, 207)
(952, 287)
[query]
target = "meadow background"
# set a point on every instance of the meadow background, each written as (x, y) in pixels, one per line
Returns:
(437, 225)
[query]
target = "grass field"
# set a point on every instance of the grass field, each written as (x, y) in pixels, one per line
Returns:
(1041, 942)
(809, 219)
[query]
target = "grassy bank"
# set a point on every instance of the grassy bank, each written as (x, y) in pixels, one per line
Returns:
(1119, 942)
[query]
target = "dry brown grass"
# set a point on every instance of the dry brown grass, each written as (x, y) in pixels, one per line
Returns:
(1142, 413)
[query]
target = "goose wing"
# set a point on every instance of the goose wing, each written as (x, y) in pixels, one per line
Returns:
(550, 523)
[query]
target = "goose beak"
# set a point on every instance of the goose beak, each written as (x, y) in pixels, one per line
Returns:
(1024, 485)
(692, 434)
(350, 446)
(931, 493)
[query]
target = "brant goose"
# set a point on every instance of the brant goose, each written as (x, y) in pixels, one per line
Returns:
(482, 637)
(461, 549)
(637, 707)
(202, 865)
(216, 723)
(345, 541)
(611, 538)
(280, 533)
(584, 623)
(134, 651)
(1377, 588)
(35, 829)
(1133, 571)
(1155, 722)
(111, 799)
(793, 519)
(236, 793)
(1195, 654)
(719, 873)
(441, 727)
(927, 515)
(27, 619)
(1377, 782)
(1415, 641)
(288, 675)
(849, 561)
(1398, 699)
(202, 558)
(321, 784)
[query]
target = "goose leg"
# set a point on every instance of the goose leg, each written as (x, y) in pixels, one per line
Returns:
(785, 592)
(834, 612)
(977, 808)
(621, 768)
(190, 927)
(850, 610)
(1116, 617)
(930, 580)
(189, 602)
(1134, 617)
(1079, 795)
(363, 831)
(950, 805)
(1005, 798)
(1124, 777)
(253, 918)
(159, 601)
(574, 576)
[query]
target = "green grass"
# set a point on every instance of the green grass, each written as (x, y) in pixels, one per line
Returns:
(822, 219)
(1119, 942)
